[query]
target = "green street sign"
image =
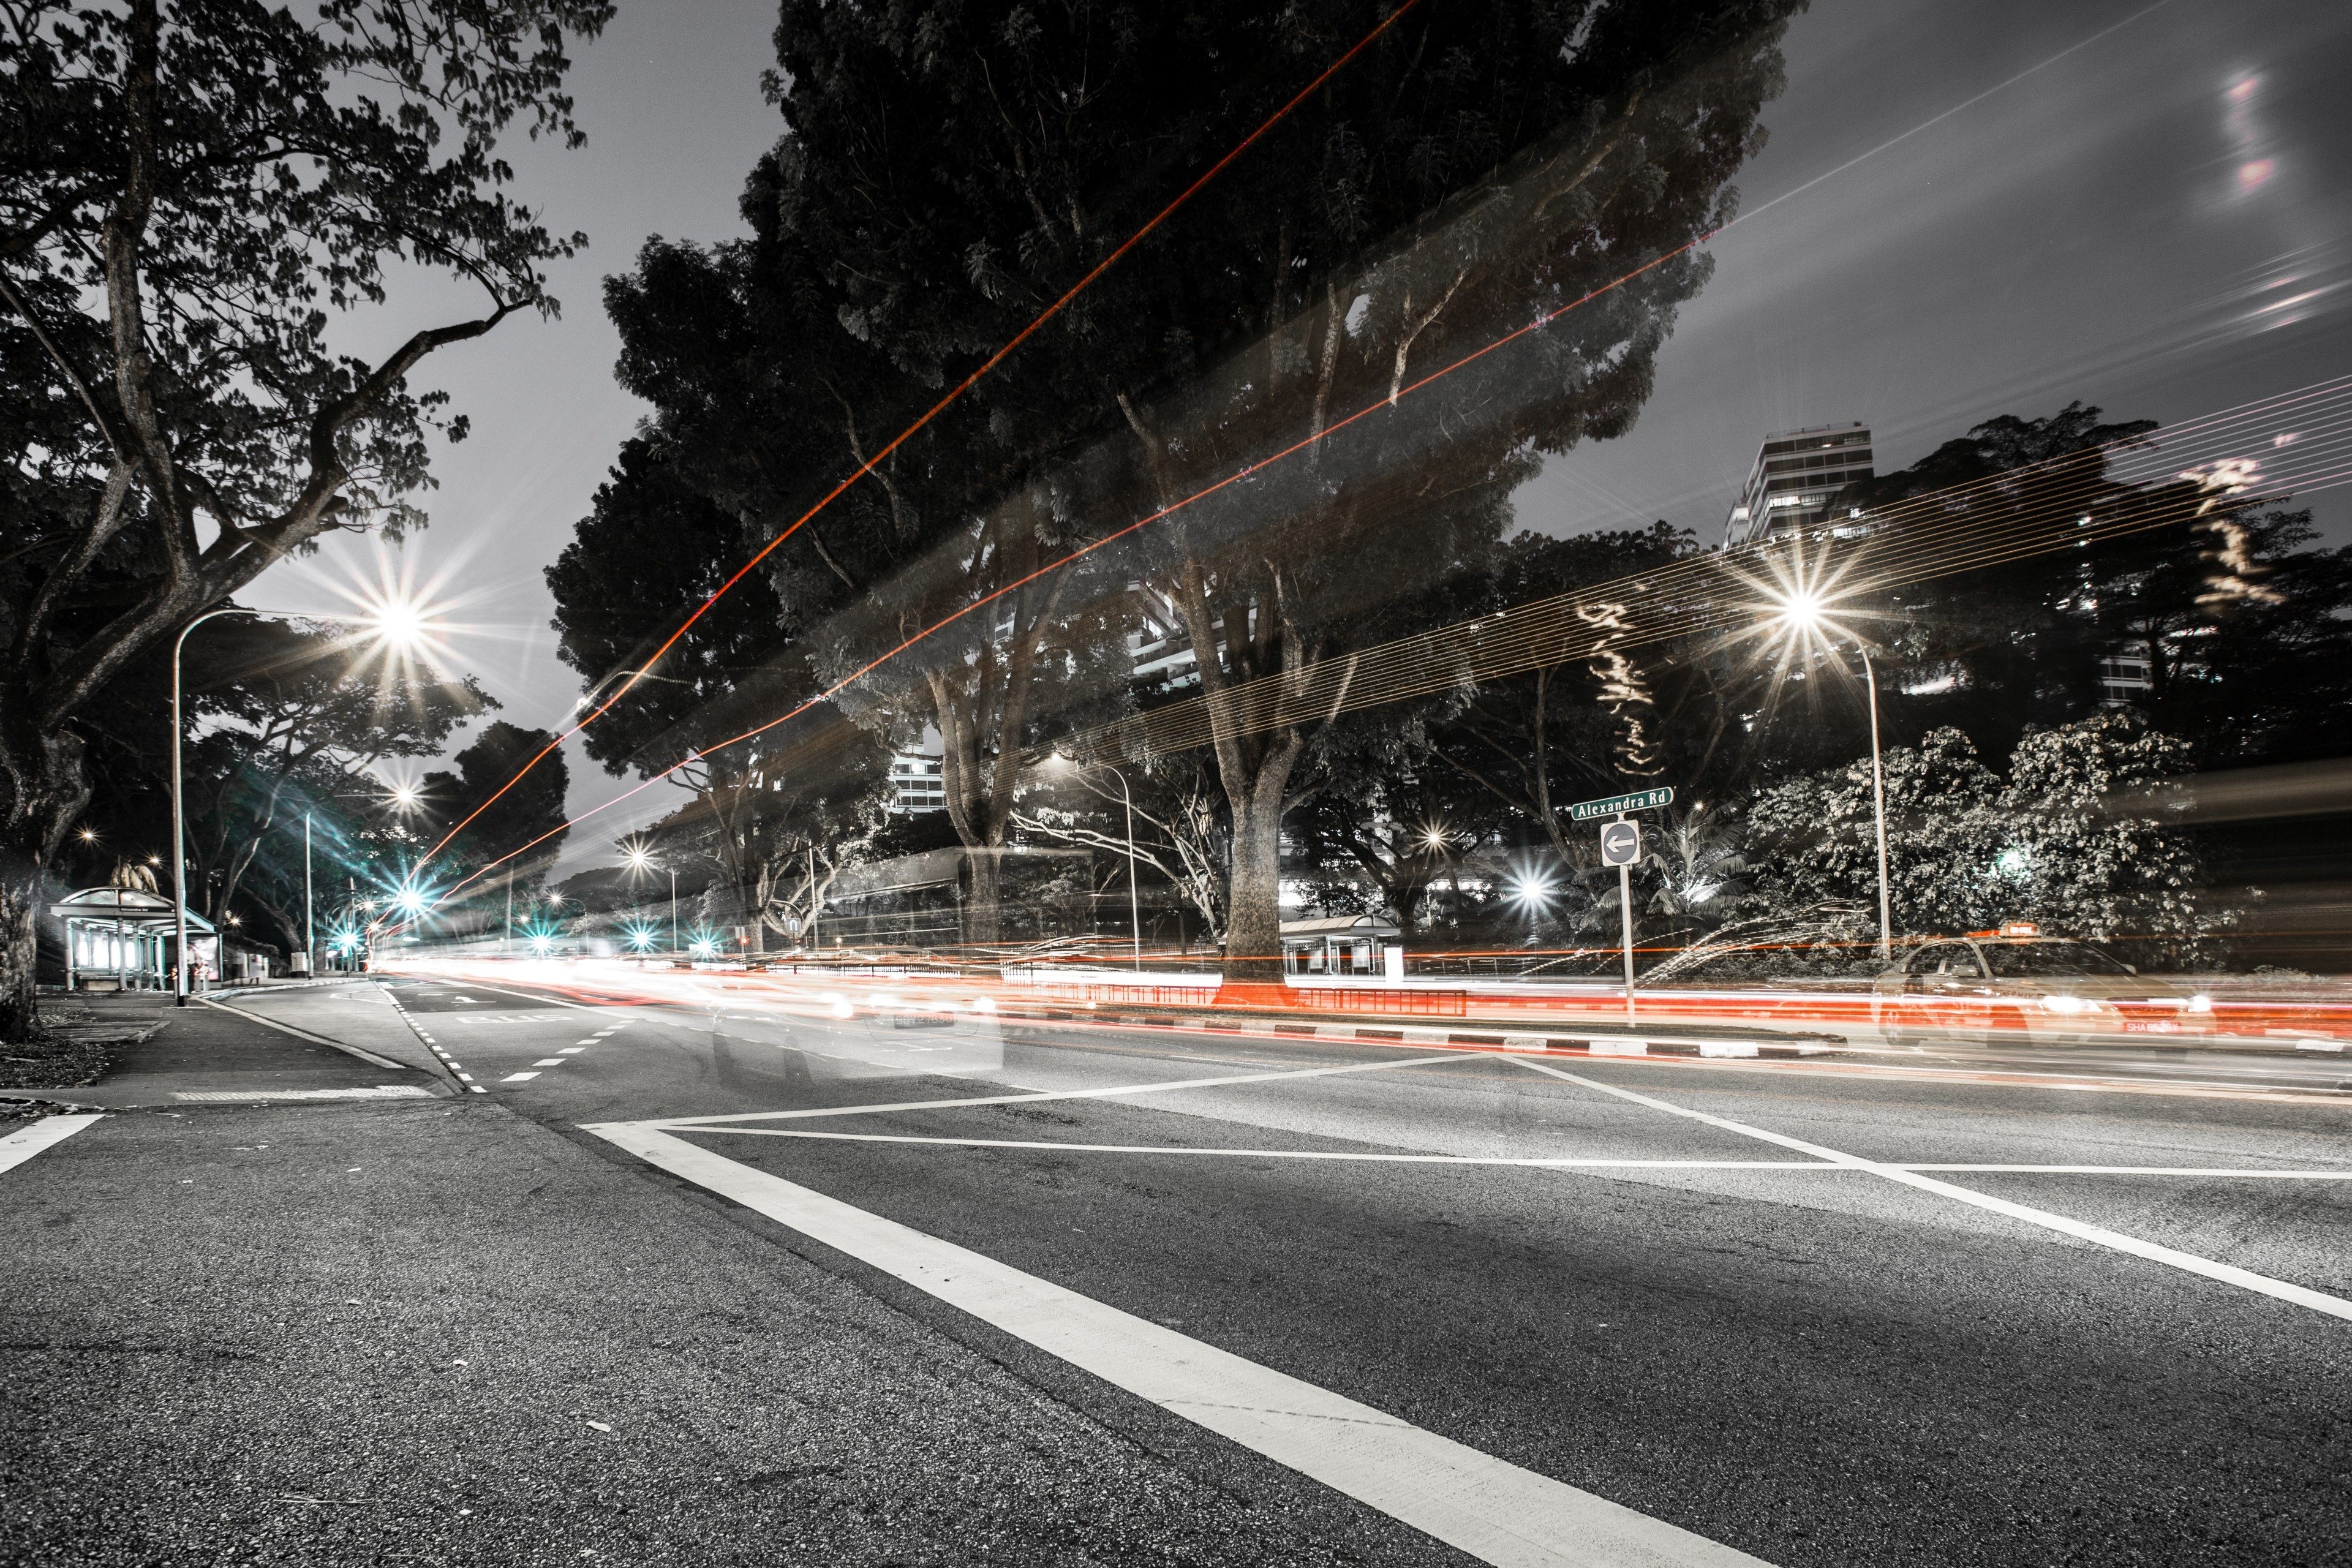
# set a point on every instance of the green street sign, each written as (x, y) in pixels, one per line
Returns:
(1640, 800)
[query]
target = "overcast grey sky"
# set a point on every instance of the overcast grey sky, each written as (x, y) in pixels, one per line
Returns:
(2149, 207)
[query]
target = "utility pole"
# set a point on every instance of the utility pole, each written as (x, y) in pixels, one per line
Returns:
(310, 936)
(812, 915)
(1625, 913)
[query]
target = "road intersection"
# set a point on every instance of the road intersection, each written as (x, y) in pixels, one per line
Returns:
(1530, 1305)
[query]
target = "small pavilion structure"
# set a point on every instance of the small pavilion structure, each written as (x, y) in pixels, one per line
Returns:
(120, 939)
(1336, 944)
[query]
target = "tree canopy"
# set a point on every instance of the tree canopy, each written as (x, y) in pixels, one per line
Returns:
(193, 199)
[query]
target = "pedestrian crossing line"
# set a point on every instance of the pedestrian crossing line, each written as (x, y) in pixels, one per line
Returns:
(46, 1133)
(2228, 1273)
(1495, 1511)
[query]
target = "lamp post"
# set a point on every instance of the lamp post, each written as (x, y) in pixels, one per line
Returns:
(1805, 612)
(310, 938)
(392, 623)
(1878, 809)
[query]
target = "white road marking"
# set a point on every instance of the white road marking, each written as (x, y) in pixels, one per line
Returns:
(1497, 1512)
(549, 1062)
(518, 1077)
(382, 1091)
(27, 1142)
(588, 1041)
(568, 1051)
(543, 1001)
(1535, 1161)
(1029, 1097)
(2229, 1274)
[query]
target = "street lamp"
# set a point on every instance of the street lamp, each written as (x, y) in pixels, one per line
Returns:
(397, 624)
(1804, 612)
(1134, 900)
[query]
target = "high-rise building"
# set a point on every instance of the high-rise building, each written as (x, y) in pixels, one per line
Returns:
(1797, 472)
(917, 777)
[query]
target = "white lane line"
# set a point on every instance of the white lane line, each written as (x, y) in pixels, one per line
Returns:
(588, 1041)
(2229, 1274)
(1449, 1060)
(1534, 1162)
(1495, 1511)
(27, 1142)
(549, 1062)
(568, 1051)
(518, 1077)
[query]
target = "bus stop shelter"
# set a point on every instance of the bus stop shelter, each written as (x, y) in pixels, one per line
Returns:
(120, 939)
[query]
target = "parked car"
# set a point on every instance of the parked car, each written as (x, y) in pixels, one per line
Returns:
(2017, 985)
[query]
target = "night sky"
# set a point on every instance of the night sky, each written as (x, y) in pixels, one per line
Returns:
(2149, 208)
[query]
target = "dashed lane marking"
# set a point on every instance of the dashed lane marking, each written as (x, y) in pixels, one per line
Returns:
(549, 1062)
(518, 1077)
(444, 1058)
(568, 1051)
(48, 1132)
(2229, 1274)
(1495, 1511)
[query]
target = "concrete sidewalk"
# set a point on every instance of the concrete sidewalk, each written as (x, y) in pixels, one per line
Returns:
(223, 1049)
(432, 1331)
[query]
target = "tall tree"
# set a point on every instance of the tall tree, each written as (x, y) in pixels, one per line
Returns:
(949, 169)
(190, 194)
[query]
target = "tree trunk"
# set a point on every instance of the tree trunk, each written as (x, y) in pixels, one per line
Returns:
(1254, 906)
(42, 790)
(20, 904)
(983, 923)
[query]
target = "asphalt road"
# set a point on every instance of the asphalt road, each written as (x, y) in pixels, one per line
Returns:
(2108, 1326)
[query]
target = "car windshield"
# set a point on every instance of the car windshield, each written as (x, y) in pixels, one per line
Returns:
(2029, 960)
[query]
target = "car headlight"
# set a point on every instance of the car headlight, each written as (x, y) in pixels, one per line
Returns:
(2201, 1004)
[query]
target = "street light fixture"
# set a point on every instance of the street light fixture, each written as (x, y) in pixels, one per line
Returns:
(398, 624)
(1804, 614)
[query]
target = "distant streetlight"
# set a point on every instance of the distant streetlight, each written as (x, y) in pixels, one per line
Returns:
(397, 624)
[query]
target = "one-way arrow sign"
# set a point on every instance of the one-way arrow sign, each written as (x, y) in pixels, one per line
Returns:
(1640, 800)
